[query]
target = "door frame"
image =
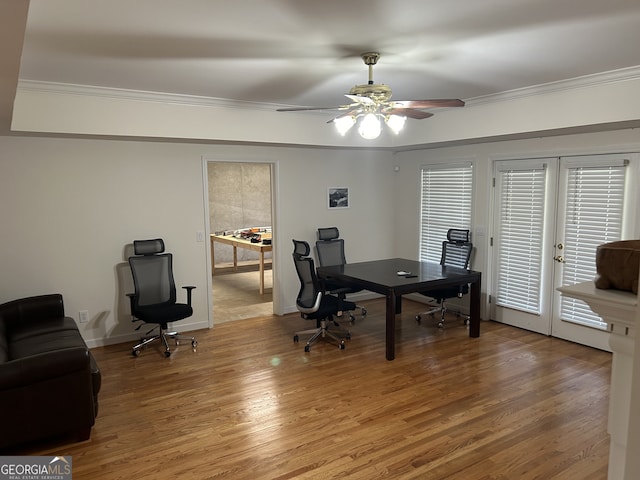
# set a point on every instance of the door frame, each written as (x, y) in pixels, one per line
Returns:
(275, 270)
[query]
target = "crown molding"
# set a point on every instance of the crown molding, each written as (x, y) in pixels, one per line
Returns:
(592, 80)
(138, 95)
(613, 76)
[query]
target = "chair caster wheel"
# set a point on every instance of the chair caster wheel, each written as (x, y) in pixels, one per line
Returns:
(307, 348)
(348, 336)
(135, 352)
(440, 325)
(295, 338)
(167, 353)
(364, 311)
(342, 345)
(352, 319)
(194, 344)
(418, 318)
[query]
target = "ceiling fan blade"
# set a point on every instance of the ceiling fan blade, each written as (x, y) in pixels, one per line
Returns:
(300, 109)
(408, 112)
(434, 103)
(353, 112)
(360, 99)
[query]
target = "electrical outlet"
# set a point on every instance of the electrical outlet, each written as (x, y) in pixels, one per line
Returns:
(200, 236)
(83, 315)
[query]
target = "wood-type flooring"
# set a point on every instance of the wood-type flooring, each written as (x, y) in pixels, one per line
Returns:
(251, 404)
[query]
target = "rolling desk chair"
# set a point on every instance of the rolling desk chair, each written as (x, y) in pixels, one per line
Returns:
(456, 252)
(154, 300)
(330, 251)
(312, 302)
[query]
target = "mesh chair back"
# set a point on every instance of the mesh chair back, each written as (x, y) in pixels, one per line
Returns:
(309, 285)
(329, 247)
(457, 235)
(456, 254)
(456, 251)
(152, 277)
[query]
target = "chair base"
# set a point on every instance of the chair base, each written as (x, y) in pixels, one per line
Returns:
(163, 336)
(442, 308)
(363, 311)
(323, 332)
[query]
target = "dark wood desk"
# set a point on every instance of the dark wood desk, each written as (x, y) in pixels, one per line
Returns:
(381, 276)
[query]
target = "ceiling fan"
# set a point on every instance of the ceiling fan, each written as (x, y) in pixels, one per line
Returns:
(372, 103)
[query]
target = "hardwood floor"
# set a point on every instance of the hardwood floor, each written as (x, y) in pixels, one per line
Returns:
(236, 293)
(250, 404)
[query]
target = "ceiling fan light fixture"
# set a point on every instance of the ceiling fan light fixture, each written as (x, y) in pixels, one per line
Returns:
(344, 124)
(370, 126)
(395, 122)
(371, 104)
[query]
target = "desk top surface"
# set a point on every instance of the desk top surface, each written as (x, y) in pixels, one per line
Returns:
(241, 241)
(383, 274)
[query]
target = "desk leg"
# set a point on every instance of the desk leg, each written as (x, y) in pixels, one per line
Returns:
(235, 258)
(391, 325)
(474, 310)
(261, 272)
(213, 262)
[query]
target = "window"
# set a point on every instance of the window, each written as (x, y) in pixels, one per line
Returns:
(446, 194)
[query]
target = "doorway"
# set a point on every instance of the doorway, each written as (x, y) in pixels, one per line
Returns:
(240, 211)
(550, 215)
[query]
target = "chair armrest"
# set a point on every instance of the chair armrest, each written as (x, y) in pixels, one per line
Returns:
(312, 309)
(189, 289)
(42, 367)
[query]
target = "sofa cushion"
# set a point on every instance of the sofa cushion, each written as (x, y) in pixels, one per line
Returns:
(45, 341)
(36, 327)
(4, 345)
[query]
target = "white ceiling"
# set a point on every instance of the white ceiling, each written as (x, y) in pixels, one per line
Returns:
(307, 52)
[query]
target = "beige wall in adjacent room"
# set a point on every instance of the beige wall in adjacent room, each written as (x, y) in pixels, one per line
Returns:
(239, 197)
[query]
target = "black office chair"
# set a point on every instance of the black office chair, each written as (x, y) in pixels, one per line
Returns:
(154, 300)
(313, 303)
(456, 252)
(330, 251)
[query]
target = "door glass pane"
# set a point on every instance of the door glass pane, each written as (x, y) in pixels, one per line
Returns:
(595, 197)
(519, 238)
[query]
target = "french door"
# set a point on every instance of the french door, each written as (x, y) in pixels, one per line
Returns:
(550, 215)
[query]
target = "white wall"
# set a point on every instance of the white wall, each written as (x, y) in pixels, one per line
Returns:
(71, 206)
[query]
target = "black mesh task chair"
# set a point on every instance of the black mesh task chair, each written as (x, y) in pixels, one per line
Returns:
(456, 252)
(330, 251)
(313, 303)
(154, 300)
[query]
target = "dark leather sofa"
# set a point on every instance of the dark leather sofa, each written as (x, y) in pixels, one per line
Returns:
(49, 381)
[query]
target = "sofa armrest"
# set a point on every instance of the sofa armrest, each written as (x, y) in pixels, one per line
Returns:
(44, 366)
(25, 309)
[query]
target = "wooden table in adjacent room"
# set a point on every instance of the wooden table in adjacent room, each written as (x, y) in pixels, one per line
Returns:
(381, 276)
(236, 243)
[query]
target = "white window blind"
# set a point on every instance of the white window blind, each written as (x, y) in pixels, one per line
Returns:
(519, 238)
(446, 195)
(595, 197)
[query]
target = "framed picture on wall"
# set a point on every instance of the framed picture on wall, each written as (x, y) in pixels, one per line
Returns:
(338, 197)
